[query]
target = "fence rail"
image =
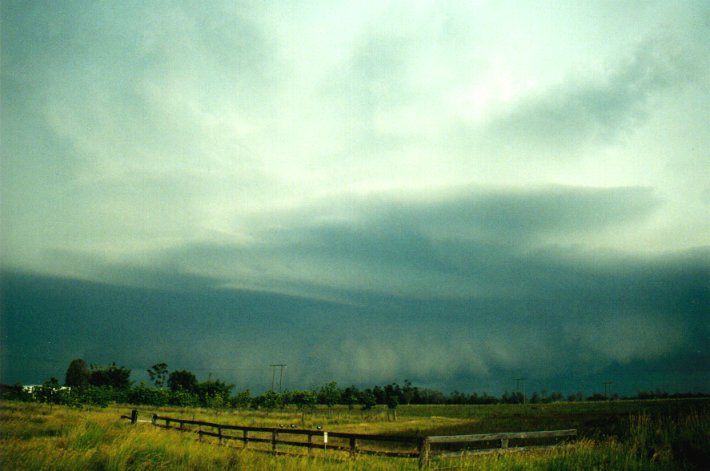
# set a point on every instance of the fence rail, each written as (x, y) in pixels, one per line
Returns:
(314, 439)
(423, 448)
(503, 439)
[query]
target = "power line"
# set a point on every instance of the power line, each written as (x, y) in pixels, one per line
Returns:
(517, 386)
(606, 388)
(281, 366)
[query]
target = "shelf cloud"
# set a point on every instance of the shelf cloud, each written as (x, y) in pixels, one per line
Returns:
(455, 194)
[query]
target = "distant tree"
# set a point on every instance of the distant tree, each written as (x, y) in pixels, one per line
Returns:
(512, 398)
(49, 392)
(77, 375)
(14, 392)
(349, 396)
(554, 397)
(485, 398)
(183, 398)
(329, 394)
(407, 392)
(305, 402)
(457, 397)
(241, 400)
(117, 377)
(392, 403)
(431, 396)
(209, 391)
(367, 399)
(269, 400)
(143, 394)
(392, 391)
(158, 374)
(380, 396)
(183, 380)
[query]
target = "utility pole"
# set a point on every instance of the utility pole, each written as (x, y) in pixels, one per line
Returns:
(606, 389)
(517, 386)
(273, 375)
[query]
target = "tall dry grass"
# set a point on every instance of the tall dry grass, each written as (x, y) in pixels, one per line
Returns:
(40, 437)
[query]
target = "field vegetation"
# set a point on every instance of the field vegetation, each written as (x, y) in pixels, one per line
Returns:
(77, 426)
(663, 434)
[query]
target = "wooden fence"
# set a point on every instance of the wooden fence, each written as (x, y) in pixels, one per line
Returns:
(487, 442)
(423, 448)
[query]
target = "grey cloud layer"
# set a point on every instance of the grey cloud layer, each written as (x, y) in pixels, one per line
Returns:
(478, 303)
(464, 243)
(628, 312)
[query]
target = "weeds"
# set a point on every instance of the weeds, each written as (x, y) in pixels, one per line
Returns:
(60, 438)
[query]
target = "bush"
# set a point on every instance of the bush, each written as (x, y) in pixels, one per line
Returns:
(242, 400)
(14, 393)
(183, 399)
(144, 395)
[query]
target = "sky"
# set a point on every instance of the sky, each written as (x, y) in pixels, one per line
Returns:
(454, 193)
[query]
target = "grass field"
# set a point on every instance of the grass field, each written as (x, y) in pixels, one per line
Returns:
(634, 435)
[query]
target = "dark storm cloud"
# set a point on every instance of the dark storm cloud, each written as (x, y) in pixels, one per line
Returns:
(648, 311)
(243, 184)
(478, 304)
(469, 242)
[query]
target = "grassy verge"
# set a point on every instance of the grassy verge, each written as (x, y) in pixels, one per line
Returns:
(646, 436)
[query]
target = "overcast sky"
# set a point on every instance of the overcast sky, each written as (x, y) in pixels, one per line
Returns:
(456, 193)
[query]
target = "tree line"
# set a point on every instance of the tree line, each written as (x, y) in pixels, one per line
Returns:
(104, 384)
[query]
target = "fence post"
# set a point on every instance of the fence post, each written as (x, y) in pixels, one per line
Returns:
(246, 438)
(424, 453)
(504, 443)
(310, 444)
(134, 416)
(219, 432)
(154, 419)
(353, 447)
(274, 436)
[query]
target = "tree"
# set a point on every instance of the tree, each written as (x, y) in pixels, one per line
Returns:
(117, 377)
(392, 403)
(241, 400)
(183, 398)
(349, 396)
(407, 392)
(367, 399)
(211, 389)
(182, 380)
(14, 393)
(158, 374)
(329, 394)
(142, 394)
(392, 390)
(305, 401)
(269, 400)
(380, 396)
(47, 392)
(77, 375)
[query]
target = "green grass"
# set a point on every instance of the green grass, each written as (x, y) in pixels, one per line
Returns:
(631, 435)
